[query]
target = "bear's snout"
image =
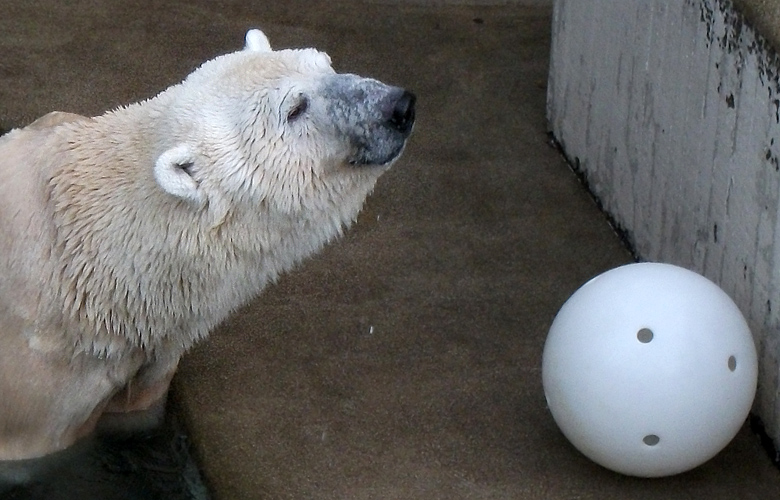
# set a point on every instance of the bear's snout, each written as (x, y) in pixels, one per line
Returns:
(376, 118)
(402, 115)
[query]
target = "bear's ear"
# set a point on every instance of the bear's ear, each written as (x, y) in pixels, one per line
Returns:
(173, 172)
(257, 41)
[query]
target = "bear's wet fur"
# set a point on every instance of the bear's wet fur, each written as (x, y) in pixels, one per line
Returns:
(126, 237)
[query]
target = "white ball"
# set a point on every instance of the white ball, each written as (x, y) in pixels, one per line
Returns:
(649, 369)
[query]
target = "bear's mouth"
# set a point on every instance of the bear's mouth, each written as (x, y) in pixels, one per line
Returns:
(377, 155)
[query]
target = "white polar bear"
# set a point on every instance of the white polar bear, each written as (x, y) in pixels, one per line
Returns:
(126, 237)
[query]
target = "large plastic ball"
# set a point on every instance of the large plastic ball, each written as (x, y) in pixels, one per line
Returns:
(649, 369)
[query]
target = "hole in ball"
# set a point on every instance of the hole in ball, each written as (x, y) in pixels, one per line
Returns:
(732, 363)
(651, 440)
(645, 335)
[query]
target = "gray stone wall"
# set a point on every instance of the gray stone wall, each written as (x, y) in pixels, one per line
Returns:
(671, 111)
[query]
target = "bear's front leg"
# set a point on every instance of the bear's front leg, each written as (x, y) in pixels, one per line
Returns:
(49, 400)
(141, 403)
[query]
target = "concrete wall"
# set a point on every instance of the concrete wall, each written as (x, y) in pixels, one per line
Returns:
(671, 110)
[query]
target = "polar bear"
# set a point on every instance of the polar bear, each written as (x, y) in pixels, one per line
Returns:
(126, 237)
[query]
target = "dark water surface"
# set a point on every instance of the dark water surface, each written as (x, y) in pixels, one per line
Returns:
(148, 465)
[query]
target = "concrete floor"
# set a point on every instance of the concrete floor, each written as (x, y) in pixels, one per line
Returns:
(404, 361)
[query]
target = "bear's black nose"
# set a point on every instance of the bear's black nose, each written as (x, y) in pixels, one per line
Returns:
(402, 117)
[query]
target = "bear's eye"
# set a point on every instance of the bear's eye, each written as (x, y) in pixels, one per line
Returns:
(300, 108)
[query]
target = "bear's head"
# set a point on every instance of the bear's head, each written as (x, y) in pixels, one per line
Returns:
(281, 129)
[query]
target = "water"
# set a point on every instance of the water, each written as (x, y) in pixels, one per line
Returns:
(147, 465)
